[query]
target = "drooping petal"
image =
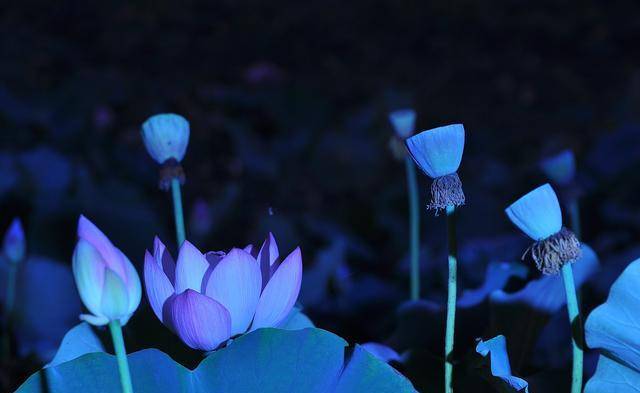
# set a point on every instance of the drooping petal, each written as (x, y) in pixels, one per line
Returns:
(438, 151)
(157, 285)
(236, 283)
(201, 322)
(115, 300)
(496, 348)
(281, 292)
(267, 257)
(190, 268)
(88, 271)
(111, 256)
(403, 122)
(164, 259)
(537, 214)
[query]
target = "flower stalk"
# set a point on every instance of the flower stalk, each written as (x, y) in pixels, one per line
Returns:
(451, 299)
(121, 356)
(576, 328)
(414, 226)
(177, 210)
(9, 302)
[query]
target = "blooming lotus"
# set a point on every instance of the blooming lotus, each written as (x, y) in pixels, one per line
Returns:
(108, 283)
(208, 298)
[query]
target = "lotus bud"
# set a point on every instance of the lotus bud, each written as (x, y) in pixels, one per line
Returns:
(560, 168)
(538, 215)
(14, 244)
(107, 282)
(438, 153)
(166, 137)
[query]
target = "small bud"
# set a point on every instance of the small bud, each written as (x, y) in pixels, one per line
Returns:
(14, 244)
(166, 136)
(403, 122)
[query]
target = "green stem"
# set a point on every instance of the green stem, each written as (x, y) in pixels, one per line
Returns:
(576, 328)
(451, 299)
(177, 211)
(574, 216)
(414, 225)
(121, 356)
(9, 302)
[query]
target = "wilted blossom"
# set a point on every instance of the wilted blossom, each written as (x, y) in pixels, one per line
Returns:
(560, 168)
(108, 283)
(496, 349)
(14, 244)
(166, 136)
(438, 153)
(403, 122)
(206, 299)
(538, 215)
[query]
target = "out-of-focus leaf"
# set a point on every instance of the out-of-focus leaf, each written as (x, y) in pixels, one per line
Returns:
(47, 306)
(267, 360)
(78, 341)
(496, 277)
(547, 294)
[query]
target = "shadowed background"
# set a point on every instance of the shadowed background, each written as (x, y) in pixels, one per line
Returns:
(287, 103)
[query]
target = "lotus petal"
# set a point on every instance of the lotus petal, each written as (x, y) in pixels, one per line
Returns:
(157, 284)
(201, 322)
(190, 268)
(281, 292)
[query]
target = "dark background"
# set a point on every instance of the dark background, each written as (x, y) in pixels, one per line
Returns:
(288, 106)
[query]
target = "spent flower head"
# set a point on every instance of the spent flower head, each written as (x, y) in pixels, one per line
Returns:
(560, 168)
(538, 215)
(403, 122)
(166, 137)
(438, 153)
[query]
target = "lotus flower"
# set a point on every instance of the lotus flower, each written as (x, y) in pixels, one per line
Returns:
(561, 168)
(108, 283)
(206, 299)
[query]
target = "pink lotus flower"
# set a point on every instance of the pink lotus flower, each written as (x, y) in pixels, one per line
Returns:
(206, 299)
(108, 283)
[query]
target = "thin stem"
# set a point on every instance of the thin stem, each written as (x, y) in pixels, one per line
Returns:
(9, 302)
(121, 356)
(451, 299)
(574, 216)
(576, 328)
(414, 225)
(177, 211)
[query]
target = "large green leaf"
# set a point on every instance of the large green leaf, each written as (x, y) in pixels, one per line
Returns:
(267, 360)
(614, 329)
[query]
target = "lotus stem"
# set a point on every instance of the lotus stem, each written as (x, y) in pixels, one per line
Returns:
(414, 226)
(121, 356)
(574, 216)
(9, 302)
(575, 322)
(451, 299)
(177, 210)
